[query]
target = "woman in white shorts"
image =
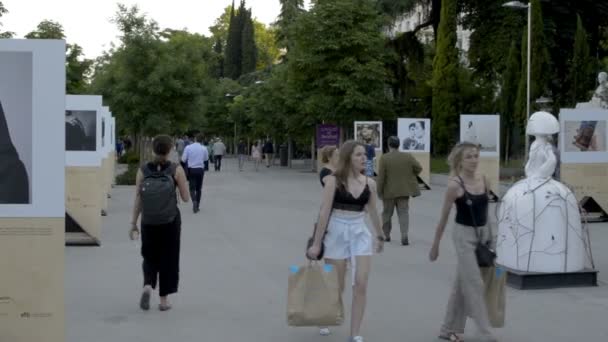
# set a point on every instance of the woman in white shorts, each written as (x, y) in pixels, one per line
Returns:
(348, 196)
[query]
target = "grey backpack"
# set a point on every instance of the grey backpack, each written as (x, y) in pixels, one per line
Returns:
(158, 197)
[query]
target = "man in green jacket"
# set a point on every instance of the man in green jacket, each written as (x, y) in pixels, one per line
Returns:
(397, 181)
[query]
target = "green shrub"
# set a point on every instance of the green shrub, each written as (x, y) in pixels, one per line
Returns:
(128, 178)
(129, 158)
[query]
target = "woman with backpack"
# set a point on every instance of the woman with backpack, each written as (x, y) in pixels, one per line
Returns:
(156, 200)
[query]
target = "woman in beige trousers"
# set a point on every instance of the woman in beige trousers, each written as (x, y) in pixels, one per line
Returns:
(467, 190)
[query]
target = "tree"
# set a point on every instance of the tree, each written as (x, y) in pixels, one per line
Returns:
(47, 29)
(508, 96)
(78, 68)
(445, 81)
(540, 71)
(336, 67)
(233, 52)
(581, 66)
(266, 44)
(3, 11)
(248, 47)
(218, 49)
(290, 10)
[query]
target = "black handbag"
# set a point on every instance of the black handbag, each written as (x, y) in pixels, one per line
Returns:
(485, 255)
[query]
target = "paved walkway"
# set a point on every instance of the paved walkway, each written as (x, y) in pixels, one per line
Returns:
(235, 256)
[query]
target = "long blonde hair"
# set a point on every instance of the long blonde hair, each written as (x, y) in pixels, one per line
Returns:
(457, 154)
(327, 152)
(345, 167)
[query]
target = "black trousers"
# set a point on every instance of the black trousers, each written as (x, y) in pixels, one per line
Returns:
(218, 162)
(195, 178)
(160, 248)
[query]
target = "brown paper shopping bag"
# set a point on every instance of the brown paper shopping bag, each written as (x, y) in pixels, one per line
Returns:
(313, 297)
(495, 279)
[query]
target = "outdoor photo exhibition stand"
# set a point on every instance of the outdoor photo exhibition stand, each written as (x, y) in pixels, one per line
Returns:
(584, 159)
(415, 138)
(370, 133)
(32, 203)
(83, 170)
(326, 135)
(103, 151)
(485, 131)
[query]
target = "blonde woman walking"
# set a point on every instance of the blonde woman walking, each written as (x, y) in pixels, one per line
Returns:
(468, 191)
(256, 155)
(348, 196)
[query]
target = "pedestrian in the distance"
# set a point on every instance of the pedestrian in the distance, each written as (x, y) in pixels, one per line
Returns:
(268, 151)
(219, 150)
(155, 199)
(397, 182)
(195, 156)
(256, 155)
(241, 151)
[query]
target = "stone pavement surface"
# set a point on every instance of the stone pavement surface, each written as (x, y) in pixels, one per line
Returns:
(234, 267)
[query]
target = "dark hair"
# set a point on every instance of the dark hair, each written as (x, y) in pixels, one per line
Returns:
(200, 137)
(161, 145)
(327, 152)
(421, 124)
(412, 125)
(393, 142)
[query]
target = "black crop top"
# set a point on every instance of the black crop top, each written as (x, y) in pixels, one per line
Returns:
(472, 209)
(344, 200)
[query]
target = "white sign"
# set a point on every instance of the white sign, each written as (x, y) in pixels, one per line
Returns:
(83, 130)
(32, 129)
(483, 130)
(583, 134)
(414, 135)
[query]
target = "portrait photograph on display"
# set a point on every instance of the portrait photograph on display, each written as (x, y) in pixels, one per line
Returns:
(16, 128)
(103, 131)
(585, 136)
(483, 130)
(80, 130)
(369, 133)
(414, 135)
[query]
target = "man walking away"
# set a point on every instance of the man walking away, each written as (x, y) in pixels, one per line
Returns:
(397, 182)
(195, 156)
(268, 151)
(242, 153)
(219, 149)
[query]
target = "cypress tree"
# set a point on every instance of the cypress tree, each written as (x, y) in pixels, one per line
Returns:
(581, 67)
(232, 59)
(218, 49)
(445, 81)
(508, 96)
(248, 48)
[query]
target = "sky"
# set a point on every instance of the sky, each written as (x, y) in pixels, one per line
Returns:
(87, 22)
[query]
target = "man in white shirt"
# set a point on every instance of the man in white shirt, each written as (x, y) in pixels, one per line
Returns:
(195, 156)
(219, 149)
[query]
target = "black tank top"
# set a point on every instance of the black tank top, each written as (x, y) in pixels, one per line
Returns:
(472, 209)
(344, 200)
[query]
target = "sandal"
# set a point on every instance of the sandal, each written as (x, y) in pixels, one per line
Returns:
(453, 337)
(162, 307)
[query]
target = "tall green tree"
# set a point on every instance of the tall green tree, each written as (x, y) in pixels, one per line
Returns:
(219, 54)
(290, 10)
(508, 95)
(581, 66)
(248, 47)
(541, 68)
(233, 51)
(336, 67)
(78, 68)
(3, 11)
(445, 81)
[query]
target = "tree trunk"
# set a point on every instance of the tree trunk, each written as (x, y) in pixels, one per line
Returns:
(313, 158)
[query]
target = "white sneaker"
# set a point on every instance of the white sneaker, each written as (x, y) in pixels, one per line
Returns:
(356, 339)
(324, 331)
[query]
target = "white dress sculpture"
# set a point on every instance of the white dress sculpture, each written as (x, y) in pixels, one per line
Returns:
(539, 223)
(600, 95)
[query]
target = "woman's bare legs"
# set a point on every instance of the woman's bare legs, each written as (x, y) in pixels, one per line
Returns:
(340, 266)
(359, 293)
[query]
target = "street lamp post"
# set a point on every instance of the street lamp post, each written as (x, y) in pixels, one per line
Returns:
(528, 6)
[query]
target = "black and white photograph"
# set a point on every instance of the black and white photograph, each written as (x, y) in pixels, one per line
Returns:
(369, 133)
(103, 131)
(80, 130)
(483, 130)
(15, 127)
(414, 134)
(585, 136)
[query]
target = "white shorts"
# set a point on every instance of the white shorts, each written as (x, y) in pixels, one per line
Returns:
(347, 236)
